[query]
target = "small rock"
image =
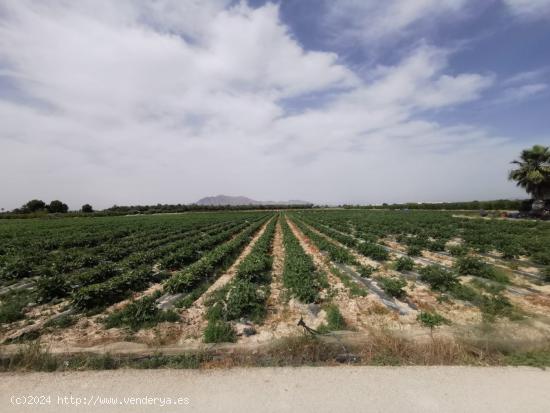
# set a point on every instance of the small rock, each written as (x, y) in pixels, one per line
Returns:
(249, 331)
(314, 308)
(245, 329)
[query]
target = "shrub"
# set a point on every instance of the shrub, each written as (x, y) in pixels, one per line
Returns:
(431, 320)
(404, 264)
(494, 306)
(546, 274)
(458, 250)
(366, 270)
(414, 250)
(438, 277)
(11, 308)
(542, 258)
(474, 266)
(376, 252)
(436, 246)
(510, 251)
(219, 331)
(245, 299)
(51, 287)
(393, 286)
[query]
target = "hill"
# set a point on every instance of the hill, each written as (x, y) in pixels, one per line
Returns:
(243, 200)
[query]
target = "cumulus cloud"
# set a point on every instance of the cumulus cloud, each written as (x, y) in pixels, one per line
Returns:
(167, 101)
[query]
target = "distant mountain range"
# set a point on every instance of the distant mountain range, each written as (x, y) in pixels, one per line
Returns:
(243, 200)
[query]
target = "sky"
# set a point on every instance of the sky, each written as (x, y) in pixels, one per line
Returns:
(329, 101)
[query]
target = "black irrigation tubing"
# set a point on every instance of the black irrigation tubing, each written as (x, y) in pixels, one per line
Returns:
(388, 301)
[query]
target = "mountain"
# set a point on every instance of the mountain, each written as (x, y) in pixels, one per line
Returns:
(243, 200)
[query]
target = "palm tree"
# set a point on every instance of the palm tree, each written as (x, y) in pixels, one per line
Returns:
(533, 173)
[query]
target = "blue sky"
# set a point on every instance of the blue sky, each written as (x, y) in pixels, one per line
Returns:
(337, 101)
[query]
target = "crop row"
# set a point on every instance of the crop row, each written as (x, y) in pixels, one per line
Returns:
(122, 283)
(300, 276)
(246, 295)
(211, 262)
(432, 230)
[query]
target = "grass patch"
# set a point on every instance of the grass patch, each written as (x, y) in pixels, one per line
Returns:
(63, 321)
(335, 320)
(219, 331)
(540, 358)
(355, 289)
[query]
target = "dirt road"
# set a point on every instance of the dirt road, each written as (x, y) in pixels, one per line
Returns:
(319, 389)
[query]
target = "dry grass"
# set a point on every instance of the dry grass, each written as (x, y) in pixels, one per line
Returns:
(379, 347)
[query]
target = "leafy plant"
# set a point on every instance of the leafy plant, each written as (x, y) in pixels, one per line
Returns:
(300, 275)
(12, 307)
(140, 314)
(376, 252)
(404, 264)
(474, 266)
(414, 250)
(366, 270)
(393, 286)
(458, 250)
(431, 320)
(439, 278)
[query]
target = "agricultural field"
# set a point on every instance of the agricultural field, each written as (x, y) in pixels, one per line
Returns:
(186, 281)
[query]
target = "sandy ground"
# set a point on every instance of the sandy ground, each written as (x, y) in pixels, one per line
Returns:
(304, 389)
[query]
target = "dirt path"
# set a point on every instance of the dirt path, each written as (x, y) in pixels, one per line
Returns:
(193, 317)
(304, 389)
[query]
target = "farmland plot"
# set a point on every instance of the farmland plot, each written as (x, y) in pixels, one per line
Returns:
(183, 280)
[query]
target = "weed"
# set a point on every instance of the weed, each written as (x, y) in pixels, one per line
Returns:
(219, 331)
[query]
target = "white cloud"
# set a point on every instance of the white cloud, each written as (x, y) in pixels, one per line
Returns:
(136, 102)
(371, 20)
(529, 9)
(520, 93)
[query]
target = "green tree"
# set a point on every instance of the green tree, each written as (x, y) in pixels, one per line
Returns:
(34, 205)
(57, 207)
(431, 320)
(87, 208)
(533, 173)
